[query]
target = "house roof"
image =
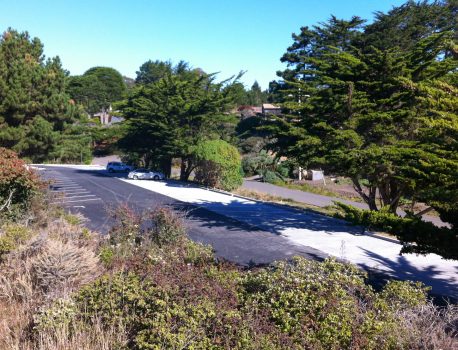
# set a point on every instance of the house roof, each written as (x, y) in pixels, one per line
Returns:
(269, 106)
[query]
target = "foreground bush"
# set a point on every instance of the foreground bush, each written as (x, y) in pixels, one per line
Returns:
(18, 184)
(417, 236)
(147, 286)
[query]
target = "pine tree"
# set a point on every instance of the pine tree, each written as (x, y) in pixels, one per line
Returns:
(33, 104)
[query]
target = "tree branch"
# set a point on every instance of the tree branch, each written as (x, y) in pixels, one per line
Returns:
(8, 202)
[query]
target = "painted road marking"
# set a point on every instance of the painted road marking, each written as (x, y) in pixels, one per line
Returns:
(86, 195)
(79, 200)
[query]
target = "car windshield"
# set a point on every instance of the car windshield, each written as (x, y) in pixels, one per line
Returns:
(142, 170)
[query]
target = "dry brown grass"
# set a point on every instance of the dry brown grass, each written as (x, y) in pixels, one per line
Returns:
(52, 264)
(428, 327)
(81, 337)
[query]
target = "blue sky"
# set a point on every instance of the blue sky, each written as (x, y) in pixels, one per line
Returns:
(217, 36)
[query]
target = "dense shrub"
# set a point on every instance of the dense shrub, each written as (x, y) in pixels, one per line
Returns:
(61, 263)
(218, 165)
(257, 164)
(18, 184)
(167, 226)
(271, 177)
(264, 164)
(417, 236)
(139, 233)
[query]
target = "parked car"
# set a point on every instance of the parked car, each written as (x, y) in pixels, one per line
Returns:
(145, 174)
(118, 166)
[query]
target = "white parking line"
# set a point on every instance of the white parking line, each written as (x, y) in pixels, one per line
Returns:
(87, 195)
(72, 192)
(79, 200)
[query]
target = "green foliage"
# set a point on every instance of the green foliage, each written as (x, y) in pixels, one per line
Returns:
(34, 107)
(257, 164)
(175, 294)
(243, 97)
(167, 228)
(218, 165)
(252, 139)
(11, 236)
(315, 303)
(71, 219)
(377, 103)
(62, 312)
(417, 236)
(302, 304)
(167, 118)
(107, 255)
(141, 233)
(152, 71)
(264, 164)
(403, 295)
(97, 88)
(271, 177)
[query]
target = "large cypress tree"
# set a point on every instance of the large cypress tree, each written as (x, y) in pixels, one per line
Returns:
(167, 118)
(383, 115)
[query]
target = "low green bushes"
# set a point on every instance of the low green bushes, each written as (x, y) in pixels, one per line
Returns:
(11, 236)
(218, 165)
(417, 236)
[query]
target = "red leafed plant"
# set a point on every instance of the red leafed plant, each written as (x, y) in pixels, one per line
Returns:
(18, 183)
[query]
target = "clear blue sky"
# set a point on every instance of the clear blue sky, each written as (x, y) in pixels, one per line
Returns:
(216, 35)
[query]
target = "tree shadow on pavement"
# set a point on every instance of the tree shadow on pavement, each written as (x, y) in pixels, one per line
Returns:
(402, 269)
(275, 219)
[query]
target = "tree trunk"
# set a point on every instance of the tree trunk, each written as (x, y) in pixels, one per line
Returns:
(187, 166)
(166, 165)
(368, 198)
(390, 194)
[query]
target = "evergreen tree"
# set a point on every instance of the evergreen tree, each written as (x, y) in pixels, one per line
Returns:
(167, 118)
(255, 95)
(33, 103)
(97, 88)
(381, 115)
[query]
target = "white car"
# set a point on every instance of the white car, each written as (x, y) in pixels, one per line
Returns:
(113, 167)
(145, 174)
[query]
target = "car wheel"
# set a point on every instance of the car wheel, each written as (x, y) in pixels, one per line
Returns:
(155, 178)
(110, 170)
(135, 177)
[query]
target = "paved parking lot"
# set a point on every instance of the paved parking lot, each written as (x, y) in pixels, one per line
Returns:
(68, 192)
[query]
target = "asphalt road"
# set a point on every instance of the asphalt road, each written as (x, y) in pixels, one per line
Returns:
(93, 194)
